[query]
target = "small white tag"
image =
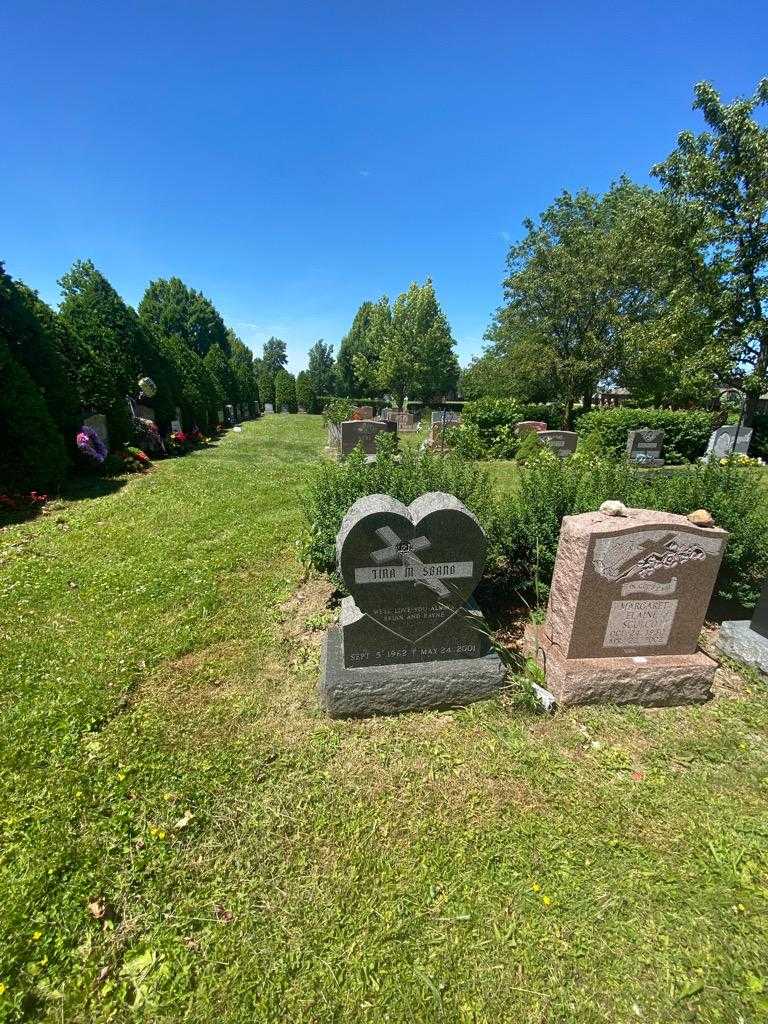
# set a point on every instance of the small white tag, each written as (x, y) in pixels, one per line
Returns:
(640, 661)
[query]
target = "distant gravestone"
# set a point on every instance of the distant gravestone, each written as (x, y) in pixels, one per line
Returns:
(721, 442)
(98, 422)
(443, 416)
(644, 447)
(530, 426)
(562, 442)
(748, 641)
(627, 602)
(176, 422)
(411, 572)
(269, 407)
(363, 433)
(405, 421)
(284, 409)
(363, 412)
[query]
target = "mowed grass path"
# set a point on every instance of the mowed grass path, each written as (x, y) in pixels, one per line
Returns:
(185, 837)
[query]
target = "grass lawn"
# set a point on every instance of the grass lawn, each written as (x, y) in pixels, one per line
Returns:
(185, 837)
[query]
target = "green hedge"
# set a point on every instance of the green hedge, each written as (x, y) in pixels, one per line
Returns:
(32, 455)
(548, 488)
(337, 485)
(685, 433)
(523, 522)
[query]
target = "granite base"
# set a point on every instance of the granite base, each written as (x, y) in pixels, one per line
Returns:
(390, 689)
(740, 642)
(657, 680)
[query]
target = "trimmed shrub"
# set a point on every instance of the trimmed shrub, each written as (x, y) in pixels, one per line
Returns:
(685, 433)
(493, 420)
(35, 339)
(549, 488)
(32, 455)
(305, 392)
(338, 485)
(338, 410)
(285, 391)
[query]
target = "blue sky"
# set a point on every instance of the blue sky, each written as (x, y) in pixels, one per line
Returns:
(292, 160)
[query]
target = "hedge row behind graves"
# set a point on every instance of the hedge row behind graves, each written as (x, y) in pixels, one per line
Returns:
(61, 367)
(523, 521)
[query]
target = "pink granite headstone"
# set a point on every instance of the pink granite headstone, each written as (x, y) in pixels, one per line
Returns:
(628, 599)
(530, 426)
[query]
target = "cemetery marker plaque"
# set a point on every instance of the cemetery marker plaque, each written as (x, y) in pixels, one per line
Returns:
(411, 572)
(364, 433)
(644, 447)
(721, 442)
(562, 442)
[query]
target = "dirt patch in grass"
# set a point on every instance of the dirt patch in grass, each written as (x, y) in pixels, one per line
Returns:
(309, 611)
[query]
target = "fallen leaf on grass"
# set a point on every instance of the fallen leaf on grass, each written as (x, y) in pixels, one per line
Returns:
(184, 820)
(223, 915)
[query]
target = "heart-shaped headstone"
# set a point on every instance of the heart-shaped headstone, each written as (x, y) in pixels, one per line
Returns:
(410, 568)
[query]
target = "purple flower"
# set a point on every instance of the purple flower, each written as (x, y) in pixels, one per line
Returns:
(89, 442)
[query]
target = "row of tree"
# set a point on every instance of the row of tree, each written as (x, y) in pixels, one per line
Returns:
(59, 367)
(395, 349)
(664, 292)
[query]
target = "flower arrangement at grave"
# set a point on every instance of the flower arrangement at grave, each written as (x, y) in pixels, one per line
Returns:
(31, 501)
(91, 445)
(147, 435)
(739, 459)
(134, 460)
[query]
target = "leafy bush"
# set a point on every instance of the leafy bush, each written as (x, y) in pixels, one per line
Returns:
(285, 392)
(492, 421)
(32, 453)
(549, 488)
(338, 485)
(305, 392)
(685, 433)
(338, 410)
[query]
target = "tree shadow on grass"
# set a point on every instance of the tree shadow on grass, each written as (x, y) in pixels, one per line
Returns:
(76, 488)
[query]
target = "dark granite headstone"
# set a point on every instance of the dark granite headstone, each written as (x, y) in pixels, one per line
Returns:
(644, 447)
(364, 433)
(411, 571)
(562, 442)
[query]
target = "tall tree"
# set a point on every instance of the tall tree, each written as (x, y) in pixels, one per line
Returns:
(170, 307)
(285, 391)
(218, 366)
(274, 357)
(306, 396)
(408, 349)
(110, 338)
(724, 173)
(241, 361)
(38, 340)
(355, 343)
(321, 368)
(595, 278)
